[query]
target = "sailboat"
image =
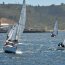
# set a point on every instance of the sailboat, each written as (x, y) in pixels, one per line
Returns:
(55, 31)
(15, 34)
(61, 45)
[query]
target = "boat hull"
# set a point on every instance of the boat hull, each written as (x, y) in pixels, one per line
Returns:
(52, 35)
(60, 48)
(9, 49)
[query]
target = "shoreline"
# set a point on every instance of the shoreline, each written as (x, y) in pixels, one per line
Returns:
(49, 31)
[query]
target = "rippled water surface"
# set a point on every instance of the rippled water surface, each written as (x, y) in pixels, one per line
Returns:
(35, 49)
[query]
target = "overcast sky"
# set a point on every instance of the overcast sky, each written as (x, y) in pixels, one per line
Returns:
(35, 2)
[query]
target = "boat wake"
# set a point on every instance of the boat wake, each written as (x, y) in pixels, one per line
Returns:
(19, 52)
(29, 52)
(20, 43)
(52, 49)
(1, 51)
(25, 43)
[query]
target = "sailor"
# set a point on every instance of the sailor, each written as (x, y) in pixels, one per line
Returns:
(7, 42)
(15, 42)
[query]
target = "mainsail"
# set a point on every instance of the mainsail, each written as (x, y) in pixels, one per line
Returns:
(55, 32)
(64, 42)
(17, 30)
(13, 33)
(22, 20)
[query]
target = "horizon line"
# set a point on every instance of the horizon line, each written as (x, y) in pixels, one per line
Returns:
(32, 4)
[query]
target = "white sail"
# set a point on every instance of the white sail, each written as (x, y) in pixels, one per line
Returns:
(64, 42)
(22, 21)
(55, 32)
(13, 33)
(16, 32)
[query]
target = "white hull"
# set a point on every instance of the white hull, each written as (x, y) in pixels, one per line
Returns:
(10, 49)
(60, 48)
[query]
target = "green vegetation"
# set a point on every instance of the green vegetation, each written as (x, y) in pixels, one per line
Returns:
(38, 17)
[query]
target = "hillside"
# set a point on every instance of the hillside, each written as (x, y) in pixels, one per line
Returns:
(38, 17)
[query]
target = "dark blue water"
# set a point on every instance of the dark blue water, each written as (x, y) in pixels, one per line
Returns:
(35, 49)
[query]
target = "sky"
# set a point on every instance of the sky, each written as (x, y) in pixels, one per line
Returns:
(34, 2)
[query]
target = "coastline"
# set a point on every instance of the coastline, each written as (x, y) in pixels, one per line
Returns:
(29, 31)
